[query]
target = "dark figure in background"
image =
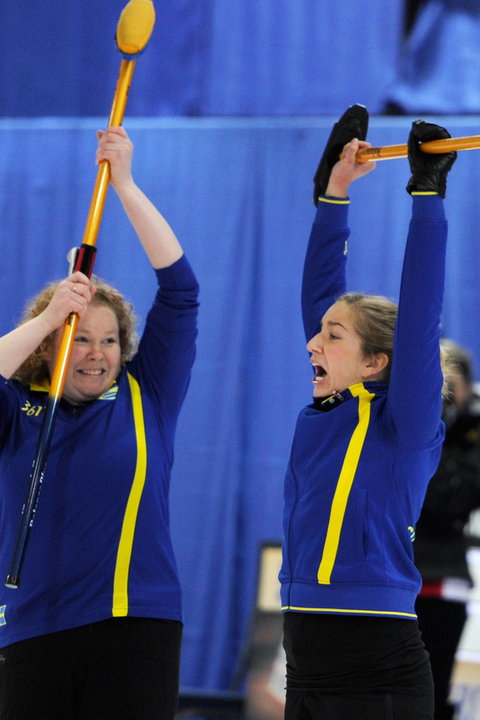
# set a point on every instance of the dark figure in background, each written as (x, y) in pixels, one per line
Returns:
(438, 61)
(440, 545)
(412, 8)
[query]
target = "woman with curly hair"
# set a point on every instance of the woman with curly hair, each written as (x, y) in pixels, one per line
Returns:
(94, 630)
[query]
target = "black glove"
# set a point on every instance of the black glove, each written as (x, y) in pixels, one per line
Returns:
(429, 171)
(352, 124)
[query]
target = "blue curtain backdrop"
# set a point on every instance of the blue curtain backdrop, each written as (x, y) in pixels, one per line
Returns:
(238, 194)
(205, 57)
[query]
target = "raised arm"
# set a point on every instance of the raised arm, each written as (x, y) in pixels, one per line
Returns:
(414, 396)
(157, 237)
(167, 347)
(71, 295)
(325, 260)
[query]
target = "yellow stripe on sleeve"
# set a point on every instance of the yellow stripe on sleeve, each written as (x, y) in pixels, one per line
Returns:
(425, 192)
(344, 485)
(124, 553)
(333, 200)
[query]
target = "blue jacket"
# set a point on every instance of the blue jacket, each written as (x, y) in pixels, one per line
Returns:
(100, 544)
(360, 463)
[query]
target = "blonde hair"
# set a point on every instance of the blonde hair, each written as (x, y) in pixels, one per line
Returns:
(374, 319)
(35, 368)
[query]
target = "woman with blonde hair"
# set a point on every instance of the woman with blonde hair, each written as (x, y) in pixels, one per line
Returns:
(94, 629)
(362, 455)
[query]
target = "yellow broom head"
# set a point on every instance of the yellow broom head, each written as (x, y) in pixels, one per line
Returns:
(135, 26)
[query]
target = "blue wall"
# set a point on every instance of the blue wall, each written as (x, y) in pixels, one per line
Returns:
(238, 194)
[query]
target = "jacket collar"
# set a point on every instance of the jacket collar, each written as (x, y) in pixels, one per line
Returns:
(337, 398)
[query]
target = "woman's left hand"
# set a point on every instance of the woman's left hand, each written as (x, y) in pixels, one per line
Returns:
(115, 146)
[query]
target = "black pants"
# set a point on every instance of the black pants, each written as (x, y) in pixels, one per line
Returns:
(441, 623)
(118, 669)
(364, 706)
(355, 668)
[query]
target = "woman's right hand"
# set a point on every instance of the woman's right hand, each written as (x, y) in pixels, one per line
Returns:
(346, 170)
(72, 294)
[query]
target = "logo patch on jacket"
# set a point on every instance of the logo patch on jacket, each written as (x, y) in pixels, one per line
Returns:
(110, 394)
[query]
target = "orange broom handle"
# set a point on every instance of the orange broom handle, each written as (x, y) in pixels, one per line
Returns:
(133, 32)
(92, 226)
(103, 174)
(388, 152)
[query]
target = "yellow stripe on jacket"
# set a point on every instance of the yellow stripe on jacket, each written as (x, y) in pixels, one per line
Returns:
(344, 485)
(124, 553)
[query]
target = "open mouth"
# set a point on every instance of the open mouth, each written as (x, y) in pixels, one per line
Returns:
(318, 373)
(91, 372)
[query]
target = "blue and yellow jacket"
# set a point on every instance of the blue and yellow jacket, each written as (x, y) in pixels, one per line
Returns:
(100, 545)
(361, 461)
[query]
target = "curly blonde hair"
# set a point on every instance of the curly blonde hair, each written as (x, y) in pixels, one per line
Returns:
(35, 368)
